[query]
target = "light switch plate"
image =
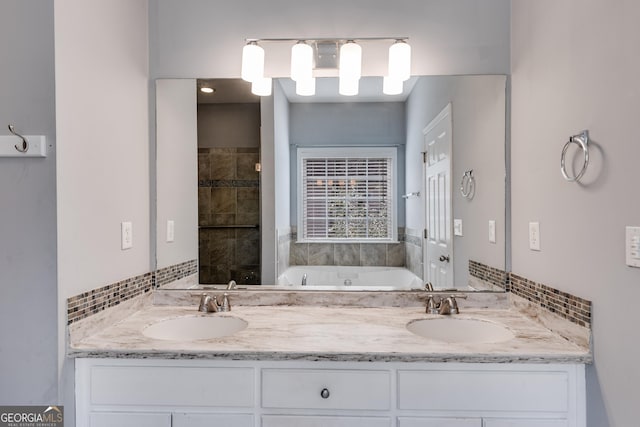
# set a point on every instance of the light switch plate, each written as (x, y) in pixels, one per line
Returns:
(534, 236)
(457, 227)
(171, 227)
(632, 246)
(492, 231)
(126, 229)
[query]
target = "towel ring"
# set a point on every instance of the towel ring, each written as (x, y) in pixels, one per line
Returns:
(582, 140)
(467, 184)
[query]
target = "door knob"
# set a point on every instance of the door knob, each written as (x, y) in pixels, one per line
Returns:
(444, 258)
(324, 393)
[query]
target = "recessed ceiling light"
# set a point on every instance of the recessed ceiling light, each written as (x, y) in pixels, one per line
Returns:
(205, 89)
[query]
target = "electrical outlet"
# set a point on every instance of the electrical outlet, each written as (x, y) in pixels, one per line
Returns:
(534, 236)
(457, 227)
(492, 231)
(126, 229)
(170, 231)
(632, 246)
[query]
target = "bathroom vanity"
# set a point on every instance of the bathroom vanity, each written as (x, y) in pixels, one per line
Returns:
(303, 366)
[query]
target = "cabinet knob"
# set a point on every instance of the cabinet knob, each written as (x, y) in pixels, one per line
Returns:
(325, 393)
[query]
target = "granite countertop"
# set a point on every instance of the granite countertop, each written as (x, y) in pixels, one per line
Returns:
(329, 334)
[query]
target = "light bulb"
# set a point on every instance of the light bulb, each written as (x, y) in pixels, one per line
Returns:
(400, 61)
(262, 86)
(301, 61)
(348, 87)
(350, 61)
(391, 86)
(205, 89)
(252, 62)
(306, 87)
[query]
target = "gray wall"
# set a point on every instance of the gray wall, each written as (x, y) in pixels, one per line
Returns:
(478, 119)
(202, 38)
(348, 124)
(575, 66)
(28, 334)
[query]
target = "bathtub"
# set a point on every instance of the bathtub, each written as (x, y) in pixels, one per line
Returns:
(350, 278)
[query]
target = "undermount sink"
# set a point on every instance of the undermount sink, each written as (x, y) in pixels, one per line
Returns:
(193, 328)
(456, 330)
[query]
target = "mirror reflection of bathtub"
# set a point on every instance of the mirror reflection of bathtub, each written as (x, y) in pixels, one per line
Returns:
(349, 278)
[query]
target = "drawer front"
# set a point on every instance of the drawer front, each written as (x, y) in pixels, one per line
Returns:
(172, 386)
(303, 421)
(439, 422)
(222, 420)
(345, 389)
(524, 423)
(129, 420)
(484, 390)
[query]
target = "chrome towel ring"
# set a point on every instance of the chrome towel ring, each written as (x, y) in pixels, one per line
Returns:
(582, 140)
(468, 185)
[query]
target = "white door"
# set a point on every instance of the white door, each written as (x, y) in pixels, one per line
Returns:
(438, 247)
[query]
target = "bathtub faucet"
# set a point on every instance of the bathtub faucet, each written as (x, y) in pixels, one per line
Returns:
(304, 279)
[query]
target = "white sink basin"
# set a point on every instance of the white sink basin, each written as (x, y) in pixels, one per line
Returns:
(192, 328)
(455, 330)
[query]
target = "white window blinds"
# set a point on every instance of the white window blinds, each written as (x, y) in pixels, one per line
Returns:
(346, 198)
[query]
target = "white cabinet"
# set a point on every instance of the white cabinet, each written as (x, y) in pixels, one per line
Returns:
(321, 421)
(524, 423)
(128, 419)
(439, 422)
(212, 420)
(206, 393)
(326, 389)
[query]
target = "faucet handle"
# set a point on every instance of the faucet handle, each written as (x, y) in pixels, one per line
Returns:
(428, 287)
(226, 305)
(454, 304)
(432, 306)
(232, 285)
(205, 300)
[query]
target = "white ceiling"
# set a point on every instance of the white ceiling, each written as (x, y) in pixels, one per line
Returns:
(231, 91)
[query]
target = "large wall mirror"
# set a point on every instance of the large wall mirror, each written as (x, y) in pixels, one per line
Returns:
(300, 192)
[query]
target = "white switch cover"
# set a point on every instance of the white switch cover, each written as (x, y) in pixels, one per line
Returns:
(457, 227)
(127, 235)
(633, 246)
(492, 231)
(170, 230)
(534, 236)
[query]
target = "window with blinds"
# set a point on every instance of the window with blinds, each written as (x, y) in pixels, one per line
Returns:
(346, 194)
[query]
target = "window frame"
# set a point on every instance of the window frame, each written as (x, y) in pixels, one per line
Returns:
(343, 153)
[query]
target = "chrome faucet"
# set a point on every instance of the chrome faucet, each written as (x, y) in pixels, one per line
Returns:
(210, 304)
(232, 285)
(444, 306)
(304, 279)
(428, 287)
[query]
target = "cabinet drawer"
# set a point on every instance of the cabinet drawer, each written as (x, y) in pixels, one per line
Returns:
(347, 389)
(483, 390)
(524, 423)
(172, 386)
(129, 420)
(439, 422)
(205, 420)
(303, 421)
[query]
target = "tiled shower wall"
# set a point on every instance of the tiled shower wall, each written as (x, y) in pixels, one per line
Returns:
(229, 215)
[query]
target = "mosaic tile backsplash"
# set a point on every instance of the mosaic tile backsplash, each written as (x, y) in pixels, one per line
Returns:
(570, 307)
(494, 276)
(91, 302)
(175, 272)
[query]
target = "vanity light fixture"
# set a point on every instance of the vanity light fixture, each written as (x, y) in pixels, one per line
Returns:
(252, 62)
(261, 86)
(206, 89)
(308, 55)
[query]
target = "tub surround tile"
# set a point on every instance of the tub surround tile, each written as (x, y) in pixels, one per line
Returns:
(321, 254)
(373, 254)
(395, 255)
(299, 254)
(361, 334)
(347, 254)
